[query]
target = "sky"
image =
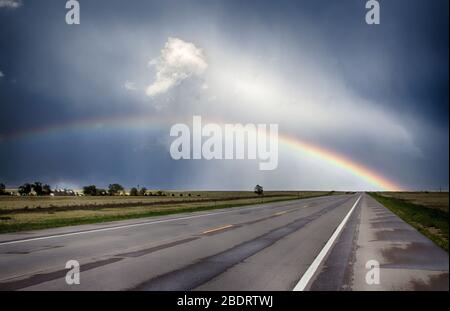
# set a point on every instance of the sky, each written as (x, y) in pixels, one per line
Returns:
(94, 103)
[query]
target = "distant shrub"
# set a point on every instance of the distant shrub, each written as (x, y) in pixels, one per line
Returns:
(134, 192)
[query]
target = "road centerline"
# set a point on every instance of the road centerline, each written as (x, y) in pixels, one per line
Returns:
(280, 213)
(217, 229)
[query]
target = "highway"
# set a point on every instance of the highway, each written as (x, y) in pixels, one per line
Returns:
(320, 243)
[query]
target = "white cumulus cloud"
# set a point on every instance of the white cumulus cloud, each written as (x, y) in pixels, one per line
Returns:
(1, 74)
(11, 4)
(179, 60)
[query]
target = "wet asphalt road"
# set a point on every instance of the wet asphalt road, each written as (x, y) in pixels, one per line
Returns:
(261, 247)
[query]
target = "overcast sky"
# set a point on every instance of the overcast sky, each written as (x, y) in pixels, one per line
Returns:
(377, 95)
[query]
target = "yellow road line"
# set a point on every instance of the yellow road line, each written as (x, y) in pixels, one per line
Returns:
(284, 212)
(217, 229)
(280, 213)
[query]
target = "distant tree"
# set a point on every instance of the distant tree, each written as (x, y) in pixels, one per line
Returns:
(134, 192)
(102, 192)
(114, 189)
(143, 191)
(46, 189)
(259, 190)
(90, 190)
(25, 189)
(37, 187)
(2, 189)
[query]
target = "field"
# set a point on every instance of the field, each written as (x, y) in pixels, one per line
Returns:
(426, 211)
(29, 213)
(433, 200)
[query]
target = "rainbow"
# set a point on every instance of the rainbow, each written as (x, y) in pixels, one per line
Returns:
(156, 122)
(342, 162)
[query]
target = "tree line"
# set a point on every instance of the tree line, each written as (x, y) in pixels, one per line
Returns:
(40, 189)
(113, 189)
(27, 188)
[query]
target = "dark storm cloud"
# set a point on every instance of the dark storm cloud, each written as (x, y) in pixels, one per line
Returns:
(411, 44)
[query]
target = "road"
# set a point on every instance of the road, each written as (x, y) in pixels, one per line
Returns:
(310, 244)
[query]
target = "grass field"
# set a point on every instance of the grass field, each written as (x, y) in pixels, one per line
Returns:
(15, 203)
(426, 211)
(433, 200)
(31, 213)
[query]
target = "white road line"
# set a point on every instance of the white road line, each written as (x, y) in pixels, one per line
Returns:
(130, 225)
(301, 285)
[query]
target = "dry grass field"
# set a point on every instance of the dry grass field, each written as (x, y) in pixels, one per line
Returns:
(433, 200)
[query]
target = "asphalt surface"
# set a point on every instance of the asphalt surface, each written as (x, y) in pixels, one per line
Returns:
(274, 246)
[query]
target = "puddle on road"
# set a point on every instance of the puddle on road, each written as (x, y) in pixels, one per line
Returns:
(29, 251)
(390, 224)
(435, 283)
(415, 255)
(397, 235)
